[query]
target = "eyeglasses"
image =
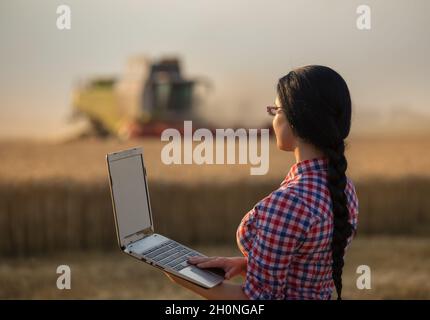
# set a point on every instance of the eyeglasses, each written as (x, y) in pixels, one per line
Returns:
(272, 110)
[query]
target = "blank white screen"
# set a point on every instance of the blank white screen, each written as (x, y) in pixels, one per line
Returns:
(129, 190)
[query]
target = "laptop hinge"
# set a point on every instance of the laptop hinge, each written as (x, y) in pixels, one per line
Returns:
(135, 237)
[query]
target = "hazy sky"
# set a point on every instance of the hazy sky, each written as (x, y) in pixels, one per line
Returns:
(242, 46)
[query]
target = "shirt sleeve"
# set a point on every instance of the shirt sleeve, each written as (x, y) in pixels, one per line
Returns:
(282, 223)
(244, 233)
(352, 201)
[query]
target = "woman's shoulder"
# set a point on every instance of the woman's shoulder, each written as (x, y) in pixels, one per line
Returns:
(284, 205)
(286, 194)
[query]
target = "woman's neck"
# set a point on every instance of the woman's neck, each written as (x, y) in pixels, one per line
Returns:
(305, 151)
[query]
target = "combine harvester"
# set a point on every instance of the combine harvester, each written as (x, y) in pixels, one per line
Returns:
(148, 98)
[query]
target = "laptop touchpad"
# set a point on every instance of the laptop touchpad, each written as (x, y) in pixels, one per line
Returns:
(201, 275)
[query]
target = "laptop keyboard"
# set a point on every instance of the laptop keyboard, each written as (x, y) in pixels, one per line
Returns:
(170, 254)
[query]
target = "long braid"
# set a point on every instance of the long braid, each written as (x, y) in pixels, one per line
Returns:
(317, 104)
(342, 229)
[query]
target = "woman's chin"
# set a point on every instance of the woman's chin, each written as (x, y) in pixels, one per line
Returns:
(283, 147)
(280, 146)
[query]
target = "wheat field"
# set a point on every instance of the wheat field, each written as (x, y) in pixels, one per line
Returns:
(55, 208)
(84, 161)
(56, 195)
(399, 270)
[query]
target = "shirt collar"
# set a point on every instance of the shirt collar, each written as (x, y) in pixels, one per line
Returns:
(309, 165)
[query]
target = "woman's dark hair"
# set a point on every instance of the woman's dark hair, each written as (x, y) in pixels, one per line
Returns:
(317, 104)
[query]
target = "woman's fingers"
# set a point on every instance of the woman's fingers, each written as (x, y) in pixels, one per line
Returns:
(214, 262)
(195, 260)
(232, 272)
(231, 266)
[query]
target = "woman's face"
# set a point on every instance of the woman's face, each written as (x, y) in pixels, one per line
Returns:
(285, 138)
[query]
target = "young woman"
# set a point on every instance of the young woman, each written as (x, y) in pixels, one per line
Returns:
(294, 240)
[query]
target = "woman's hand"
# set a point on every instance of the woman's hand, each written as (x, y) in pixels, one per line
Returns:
(232, 266)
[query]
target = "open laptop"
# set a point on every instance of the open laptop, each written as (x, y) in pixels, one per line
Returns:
(134, 224)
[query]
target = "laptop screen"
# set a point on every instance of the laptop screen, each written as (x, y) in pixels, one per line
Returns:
(130, 195)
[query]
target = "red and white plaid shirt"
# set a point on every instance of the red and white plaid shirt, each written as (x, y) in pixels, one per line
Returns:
(287, 236)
